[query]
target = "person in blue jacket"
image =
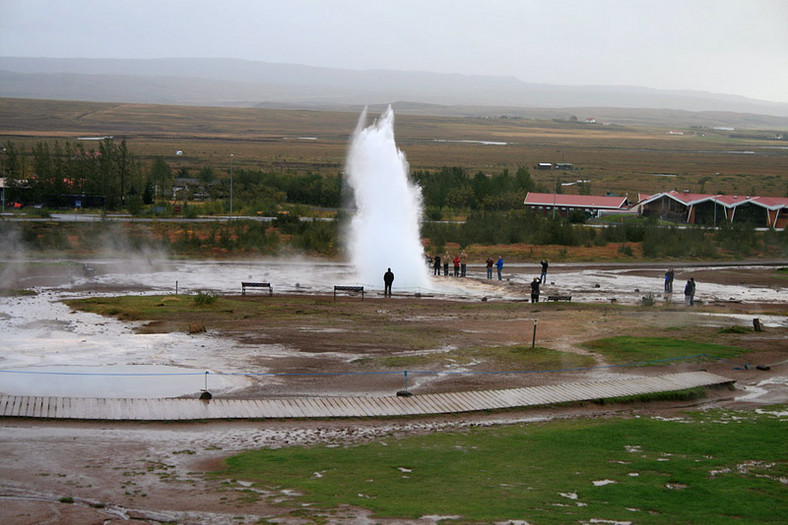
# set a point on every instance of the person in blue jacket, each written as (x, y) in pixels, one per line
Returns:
(499, 265)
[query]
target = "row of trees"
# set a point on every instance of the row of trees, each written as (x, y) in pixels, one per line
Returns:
(452, 187)
(107, 177)
(112, 178)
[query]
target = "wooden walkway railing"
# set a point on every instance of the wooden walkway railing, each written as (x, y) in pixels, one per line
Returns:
(171, 409)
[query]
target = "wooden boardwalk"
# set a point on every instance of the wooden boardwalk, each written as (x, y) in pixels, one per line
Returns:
(172, 409)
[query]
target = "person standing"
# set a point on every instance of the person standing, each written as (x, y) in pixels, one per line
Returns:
(388, 278)
(499, 265)
(490, 263)
(446, 264)
(544, 271)
(437, 266)
(535, 290)
(456, 262)
(689, 292)
(669, 280)
(692, 291)
(463, 263)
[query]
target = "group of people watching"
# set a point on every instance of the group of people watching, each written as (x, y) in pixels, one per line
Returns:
(460, 266)
(498, 265)
(460, 262)
(689, 288)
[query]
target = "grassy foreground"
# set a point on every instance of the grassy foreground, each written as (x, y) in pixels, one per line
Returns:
(714, 467)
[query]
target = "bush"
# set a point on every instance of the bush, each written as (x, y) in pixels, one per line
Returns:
(648, 300)
(675, 242)
(625, 249)
(205, 298)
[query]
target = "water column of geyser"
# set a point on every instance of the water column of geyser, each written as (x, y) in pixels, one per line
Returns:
(385, 229)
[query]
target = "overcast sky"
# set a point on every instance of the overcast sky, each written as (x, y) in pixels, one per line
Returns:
(724, 46)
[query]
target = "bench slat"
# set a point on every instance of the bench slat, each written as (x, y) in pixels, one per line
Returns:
(251, 284)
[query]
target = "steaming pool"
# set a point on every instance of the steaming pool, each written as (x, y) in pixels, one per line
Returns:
(49, 350)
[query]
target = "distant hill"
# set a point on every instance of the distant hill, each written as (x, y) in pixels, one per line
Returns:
(231, 82)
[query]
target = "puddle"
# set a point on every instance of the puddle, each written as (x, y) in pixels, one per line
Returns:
(113, 381)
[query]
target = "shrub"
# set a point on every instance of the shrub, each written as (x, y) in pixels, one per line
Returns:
(648, 300)
(625, 249)
(205, 298)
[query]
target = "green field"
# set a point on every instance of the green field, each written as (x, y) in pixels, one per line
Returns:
(700, 468)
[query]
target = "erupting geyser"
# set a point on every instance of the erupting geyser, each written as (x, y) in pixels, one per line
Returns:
(385, 229)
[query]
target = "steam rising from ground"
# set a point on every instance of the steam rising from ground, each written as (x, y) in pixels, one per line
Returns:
(385, 230)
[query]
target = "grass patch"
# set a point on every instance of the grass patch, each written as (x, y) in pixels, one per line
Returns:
(735, 330)
(653, 472)
(629, 349)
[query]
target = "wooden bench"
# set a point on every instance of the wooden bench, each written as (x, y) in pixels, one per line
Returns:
(349, 289)
(559, 297)
(245, 285)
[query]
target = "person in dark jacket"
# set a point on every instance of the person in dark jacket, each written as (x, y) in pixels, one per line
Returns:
(535, 290)
(437, 266)
(544, 271)
(388, 278)
(689, 292)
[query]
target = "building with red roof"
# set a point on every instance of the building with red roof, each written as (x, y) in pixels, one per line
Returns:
(710, 209)
(591, 205)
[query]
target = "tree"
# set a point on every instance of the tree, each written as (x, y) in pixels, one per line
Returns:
(161, 177)
(206, 175)
(523, 180)
(148, 195)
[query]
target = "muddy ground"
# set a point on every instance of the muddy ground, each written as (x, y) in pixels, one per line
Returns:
(109, 472)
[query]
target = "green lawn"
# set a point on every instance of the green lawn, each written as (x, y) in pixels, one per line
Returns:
(713, 467)
(631, 349)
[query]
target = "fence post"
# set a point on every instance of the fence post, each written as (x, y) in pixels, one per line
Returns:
(533, 339)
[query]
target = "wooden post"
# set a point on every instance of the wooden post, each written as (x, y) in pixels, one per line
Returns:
(533, 339)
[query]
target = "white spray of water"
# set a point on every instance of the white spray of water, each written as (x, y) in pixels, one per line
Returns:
(385, 230)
